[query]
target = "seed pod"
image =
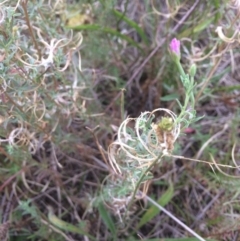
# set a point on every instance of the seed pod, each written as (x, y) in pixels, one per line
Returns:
(164, 133)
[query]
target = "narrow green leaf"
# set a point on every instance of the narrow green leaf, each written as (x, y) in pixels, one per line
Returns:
(170, 97)
(180, 105)
(94, 27)
(133, 24)
(227, 88)
(198, 28)
(107, 219)
(153, 210)
(86, 27)
(67, 226)
(216, 3)
(203, 25)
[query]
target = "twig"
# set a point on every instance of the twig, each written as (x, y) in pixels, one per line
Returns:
(24, 5)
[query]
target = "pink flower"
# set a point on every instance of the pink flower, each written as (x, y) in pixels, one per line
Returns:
(175, 46)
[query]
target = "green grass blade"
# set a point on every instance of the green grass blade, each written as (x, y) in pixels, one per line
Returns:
(107, 219)
(198, 28)
(133, 24)
(67, 226)
(111, 31)
(153, 210)
(170, 97)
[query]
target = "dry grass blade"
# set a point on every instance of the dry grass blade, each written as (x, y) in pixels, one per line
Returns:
(4, 231)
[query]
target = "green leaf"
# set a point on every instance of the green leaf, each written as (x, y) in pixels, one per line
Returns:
(153, 210)
(94, 27)
(203, 25)
(133, 24)
(180, 105)
(216, 3)
(198, 28)
(170, 97)
(67, 226)
(107, 219)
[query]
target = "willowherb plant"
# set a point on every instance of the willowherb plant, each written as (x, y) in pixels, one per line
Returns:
(143, 142)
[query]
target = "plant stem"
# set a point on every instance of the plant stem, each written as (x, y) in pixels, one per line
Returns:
(141, 179)
(24, 6)
(180, 68)
(183, 110)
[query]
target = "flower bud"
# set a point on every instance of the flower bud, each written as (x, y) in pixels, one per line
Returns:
(193, 70)
(175, 49)
(166, 124)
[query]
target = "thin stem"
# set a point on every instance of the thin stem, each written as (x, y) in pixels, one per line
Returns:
(122, 105)
(141, 179)
(183, 111)
(24, 5)
(11, 100)
(208, 79)
(175, 219)
(180, 68)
